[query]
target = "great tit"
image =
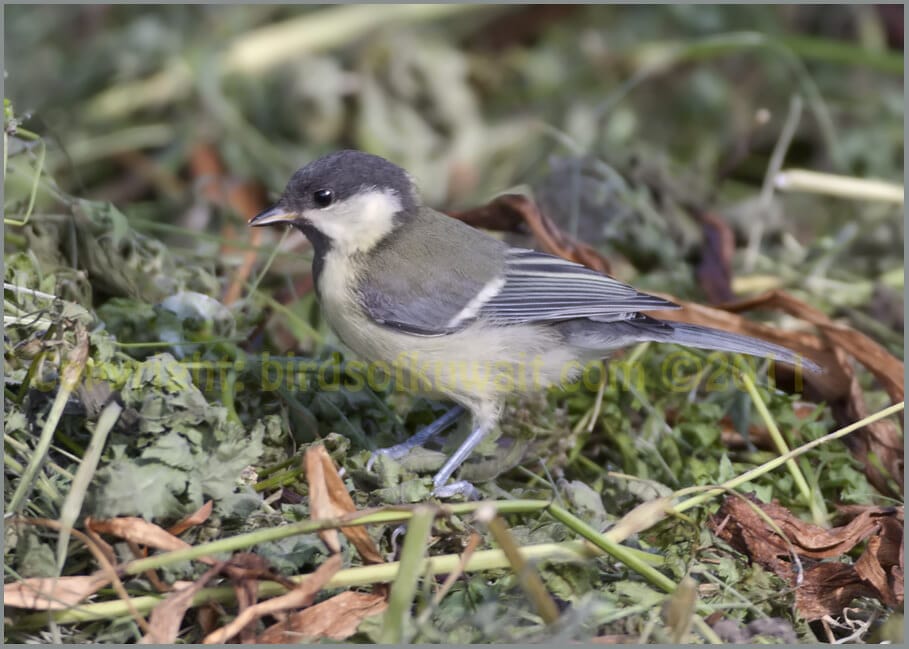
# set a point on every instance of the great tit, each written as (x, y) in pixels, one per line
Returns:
(453, 312)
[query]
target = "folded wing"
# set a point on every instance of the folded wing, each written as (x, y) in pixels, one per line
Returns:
(527, 287)
(542, 288)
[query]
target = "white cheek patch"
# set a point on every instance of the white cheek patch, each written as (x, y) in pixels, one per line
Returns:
(359, 222)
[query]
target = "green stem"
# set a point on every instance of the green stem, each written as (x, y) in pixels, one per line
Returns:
(817, 512)
(404, 588)
(572, 551)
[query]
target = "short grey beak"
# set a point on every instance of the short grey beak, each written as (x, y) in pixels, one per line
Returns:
(272, 216)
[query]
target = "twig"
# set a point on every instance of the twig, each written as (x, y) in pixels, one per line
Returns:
(820, 516)
(72, 504)
(803, 180)
(773, 167)
(528, 577)
(27, 291)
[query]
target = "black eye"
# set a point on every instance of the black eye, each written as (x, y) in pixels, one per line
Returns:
(323, 197)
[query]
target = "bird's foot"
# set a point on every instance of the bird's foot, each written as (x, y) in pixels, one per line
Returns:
(457, 488)
(441, 487)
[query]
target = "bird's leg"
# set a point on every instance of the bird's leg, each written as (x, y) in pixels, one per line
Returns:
(428, 432)
(442, 490)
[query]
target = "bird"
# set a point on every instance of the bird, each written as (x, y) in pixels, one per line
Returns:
(456, 313)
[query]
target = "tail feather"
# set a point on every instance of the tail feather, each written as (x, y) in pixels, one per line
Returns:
(598, 336)
(706, 338)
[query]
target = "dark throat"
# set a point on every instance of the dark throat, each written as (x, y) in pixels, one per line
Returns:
(320, 247)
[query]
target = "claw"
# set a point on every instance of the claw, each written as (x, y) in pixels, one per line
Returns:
(395, 535)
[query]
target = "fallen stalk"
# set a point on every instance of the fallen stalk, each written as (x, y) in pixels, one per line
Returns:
(359, 576)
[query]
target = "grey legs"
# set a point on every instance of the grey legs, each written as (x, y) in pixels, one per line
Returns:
(428, 432)
(440, 489)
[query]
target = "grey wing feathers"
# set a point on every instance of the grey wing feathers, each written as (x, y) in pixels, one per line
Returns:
(418, 281)
(543, 288)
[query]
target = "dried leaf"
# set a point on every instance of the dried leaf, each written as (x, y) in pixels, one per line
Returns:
(196, 518)
(828, 588)
(336, 618)
(882, 562)
(714, 272)
(245, 198)
(246, 570)
(642, 517)
(52, 593)
(506, 212)
(301, 596)
(328, 498)
(825, 587)
(880, 439)
(885, 367)
(137, 530)
(320, 503)
(680, 608)
(167, 616)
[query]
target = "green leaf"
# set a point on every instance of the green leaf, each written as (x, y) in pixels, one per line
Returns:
(152, 491)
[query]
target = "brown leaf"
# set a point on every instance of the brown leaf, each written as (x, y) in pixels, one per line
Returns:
(714, 271)
(679, 609)
(328, 498)
(53, 593)
(301, 596)
(506, 212)
(196, 518)
(826, 587)
(881, 440)
(246, 570)
(320, 503)
(881, 564)
(838, 386)
(885, 367)
(167, 616)
(137, 530)
(337, 618)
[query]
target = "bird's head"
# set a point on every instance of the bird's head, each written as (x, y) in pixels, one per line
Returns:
(349, 199)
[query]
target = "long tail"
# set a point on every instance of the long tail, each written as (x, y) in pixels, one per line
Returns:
(598, 336)
(706, 338)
